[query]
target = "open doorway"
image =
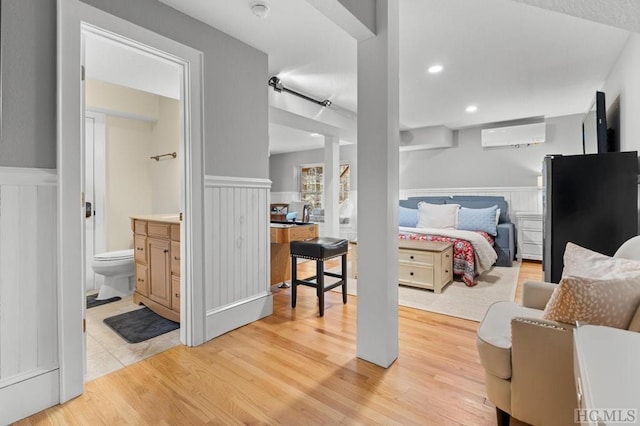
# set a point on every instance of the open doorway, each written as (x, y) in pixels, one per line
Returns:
(73, 19)
(132, 116)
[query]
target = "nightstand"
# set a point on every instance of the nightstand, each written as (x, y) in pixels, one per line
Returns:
(529, 226)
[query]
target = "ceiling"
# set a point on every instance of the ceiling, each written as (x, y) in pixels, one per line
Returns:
(511, 59)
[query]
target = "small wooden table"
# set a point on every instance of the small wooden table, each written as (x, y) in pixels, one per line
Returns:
(425, 264)
(281, 235)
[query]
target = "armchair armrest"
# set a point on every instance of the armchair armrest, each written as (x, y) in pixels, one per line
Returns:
(536, 294)
(542, 381)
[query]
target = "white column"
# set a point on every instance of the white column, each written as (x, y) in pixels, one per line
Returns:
(331, 186)
(378, 169)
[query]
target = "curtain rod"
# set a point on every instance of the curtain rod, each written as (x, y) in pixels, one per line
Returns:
(277, 85)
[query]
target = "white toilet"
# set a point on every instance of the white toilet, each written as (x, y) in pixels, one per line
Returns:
(117, 267)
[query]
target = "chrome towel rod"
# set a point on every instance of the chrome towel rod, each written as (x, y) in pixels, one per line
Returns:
(157, 157)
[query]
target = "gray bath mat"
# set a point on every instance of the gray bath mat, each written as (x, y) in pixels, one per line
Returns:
(92, 302)
(140, 325)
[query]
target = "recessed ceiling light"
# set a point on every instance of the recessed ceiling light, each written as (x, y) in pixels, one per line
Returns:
(315, 135)
(435, 69)
(471, 108)
(260, 9)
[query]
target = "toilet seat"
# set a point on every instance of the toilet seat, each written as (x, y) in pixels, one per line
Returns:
(114, 255)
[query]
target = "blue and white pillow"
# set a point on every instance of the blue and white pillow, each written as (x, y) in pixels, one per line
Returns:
(408, 217)
(478, 220)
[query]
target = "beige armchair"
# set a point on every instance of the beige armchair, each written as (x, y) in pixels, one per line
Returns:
(528, 361)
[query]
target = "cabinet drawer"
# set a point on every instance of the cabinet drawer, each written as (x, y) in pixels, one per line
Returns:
(140, 227)
(175, 257)
(534, 249)
(299, 233)
(416, 274)
(415, 256)
(140, 248)
(532, 224)
(529, 236)
(159, 230)
(175, 232)
(142, 281)
(175, 293)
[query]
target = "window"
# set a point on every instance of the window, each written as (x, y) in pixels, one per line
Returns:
(312, 184)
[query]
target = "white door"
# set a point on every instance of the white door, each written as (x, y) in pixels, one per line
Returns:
(94, 132)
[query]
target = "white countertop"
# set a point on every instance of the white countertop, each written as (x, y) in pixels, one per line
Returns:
(607, 362)
(167, 218)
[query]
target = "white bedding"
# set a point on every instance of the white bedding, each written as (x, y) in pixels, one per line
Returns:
(485, 255)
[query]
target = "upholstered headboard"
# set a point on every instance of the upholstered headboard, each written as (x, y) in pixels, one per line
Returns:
(469, 201)
(412, 202)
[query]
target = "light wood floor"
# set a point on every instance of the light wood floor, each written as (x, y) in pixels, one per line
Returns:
(295, 368)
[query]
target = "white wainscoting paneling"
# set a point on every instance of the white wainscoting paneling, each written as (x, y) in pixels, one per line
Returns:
(237, 250)
(28, 287)
(520, 199)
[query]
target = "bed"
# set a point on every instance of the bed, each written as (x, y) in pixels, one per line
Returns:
(504, 240)
(473, 230)
(472, 254)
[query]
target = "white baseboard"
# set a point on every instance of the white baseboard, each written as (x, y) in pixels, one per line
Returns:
(42, 388)
(227, 318)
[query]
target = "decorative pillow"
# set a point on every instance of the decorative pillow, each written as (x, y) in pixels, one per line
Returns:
(408, 217)
(441, 216)
(582, 262)
(609, 302)
(478, 220)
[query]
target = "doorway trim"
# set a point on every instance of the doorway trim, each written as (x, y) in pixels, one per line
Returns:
(72, 17)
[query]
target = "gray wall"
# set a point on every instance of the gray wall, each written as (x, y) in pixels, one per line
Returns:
(282, 167)
(28, 83)
(235, 76)
(465, 165)
(468, 165)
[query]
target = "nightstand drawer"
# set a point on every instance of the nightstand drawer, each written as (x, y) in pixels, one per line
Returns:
(530, 248)
(415, 256)
(531, 224)
(529, 236)
(415, 274)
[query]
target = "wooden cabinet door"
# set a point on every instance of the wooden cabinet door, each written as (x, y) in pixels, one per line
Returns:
(175, 293)
(142, 280)
(159, 271)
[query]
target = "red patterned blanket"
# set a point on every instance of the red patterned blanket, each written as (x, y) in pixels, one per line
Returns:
(464, 258)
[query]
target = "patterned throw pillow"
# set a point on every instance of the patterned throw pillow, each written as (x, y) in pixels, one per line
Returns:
(478, 219)
(582, 262)
(609, 302)
(440, 216)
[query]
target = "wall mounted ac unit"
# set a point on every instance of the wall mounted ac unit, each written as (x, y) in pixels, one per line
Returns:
(523, 134)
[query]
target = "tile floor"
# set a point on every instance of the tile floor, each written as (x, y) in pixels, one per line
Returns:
(108, 352)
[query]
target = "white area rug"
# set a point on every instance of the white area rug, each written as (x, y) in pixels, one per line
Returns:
(456, 299)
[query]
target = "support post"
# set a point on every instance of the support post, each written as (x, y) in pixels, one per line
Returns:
(331, 186)
(378, 181)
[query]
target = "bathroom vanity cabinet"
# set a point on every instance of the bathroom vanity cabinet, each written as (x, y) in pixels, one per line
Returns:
(156, 240)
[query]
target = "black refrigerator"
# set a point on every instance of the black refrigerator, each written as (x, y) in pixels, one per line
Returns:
(589, 200)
